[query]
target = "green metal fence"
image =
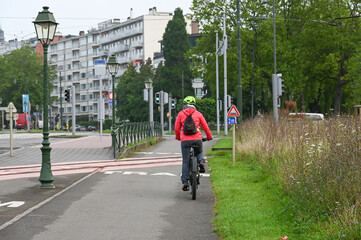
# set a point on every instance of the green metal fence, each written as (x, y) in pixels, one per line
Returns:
(128, 133)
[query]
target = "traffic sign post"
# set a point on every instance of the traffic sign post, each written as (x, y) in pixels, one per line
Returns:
(232, 114)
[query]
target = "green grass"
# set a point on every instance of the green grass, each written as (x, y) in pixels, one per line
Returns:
(249, 204)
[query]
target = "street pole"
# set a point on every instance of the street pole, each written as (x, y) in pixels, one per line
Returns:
(151, 119)
(225, 72)
(162, 111)
(274, 76)
(46, 176)
(239, 66)
(217, 84)
(253, 68)
(170, 113)
(73, 117)
(61, 104)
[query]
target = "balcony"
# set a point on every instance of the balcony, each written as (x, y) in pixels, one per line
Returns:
(119, 35)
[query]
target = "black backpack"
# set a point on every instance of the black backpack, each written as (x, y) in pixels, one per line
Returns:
(189, 126)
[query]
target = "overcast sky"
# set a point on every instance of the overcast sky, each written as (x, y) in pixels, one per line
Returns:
(16, 16)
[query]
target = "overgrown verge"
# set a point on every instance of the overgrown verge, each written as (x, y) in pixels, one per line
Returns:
(318, 167)
(249, 204)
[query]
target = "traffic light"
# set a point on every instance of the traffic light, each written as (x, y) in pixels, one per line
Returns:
(228, 42)
(157, 97)
(67, 95)
(173, 103)
(280, 86)
(57, 116)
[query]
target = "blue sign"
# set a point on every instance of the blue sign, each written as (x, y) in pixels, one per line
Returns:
(111, 102)
(231, 120)
(99, 62)
(25, 103)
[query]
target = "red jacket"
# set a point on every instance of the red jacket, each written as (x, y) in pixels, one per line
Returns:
(199, 121)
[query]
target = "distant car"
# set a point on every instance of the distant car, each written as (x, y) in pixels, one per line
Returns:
(308, 116)
(80, 128)
(91, 128)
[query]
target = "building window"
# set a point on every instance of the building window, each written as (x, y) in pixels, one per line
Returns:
(83, 75)
(83, 108)
(68, 77)
(68, 44)
(83, 97)
(82, 86)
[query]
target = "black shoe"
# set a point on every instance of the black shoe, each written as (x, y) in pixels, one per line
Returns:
(201, 168)
(185, 187)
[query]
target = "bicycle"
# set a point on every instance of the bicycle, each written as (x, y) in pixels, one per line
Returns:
(194, 174)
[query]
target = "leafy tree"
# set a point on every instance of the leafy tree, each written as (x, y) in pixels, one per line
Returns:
(317, 51)
(131, 105)
(175, 45)
(21, 72)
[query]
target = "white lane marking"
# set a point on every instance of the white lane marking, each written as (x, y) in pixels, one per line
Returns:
(153, 174)
(160, 153)
(111, 172)
(163, 174)
(12, 204)
(205, 174)
(139, 173)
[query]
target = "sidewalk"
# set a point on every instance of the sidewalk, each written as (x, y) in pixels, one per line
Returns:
(63, 150)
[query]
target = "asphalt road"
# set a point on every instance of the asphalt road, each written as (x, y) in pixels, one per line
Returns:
(136, 203)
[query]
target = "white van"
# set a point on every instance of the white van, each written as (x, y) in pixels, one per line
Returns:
(309, 116)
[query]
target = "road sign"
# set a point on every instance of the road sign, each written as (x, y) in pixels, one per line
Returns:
(11, 107)
(110, 95)
(111, 102)
(231, 120)
(233, 112)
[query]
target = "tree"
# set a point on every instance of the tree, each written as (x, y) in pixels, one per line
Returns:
(131, 105)
(21, 72)
(175, 45)
(317, 51)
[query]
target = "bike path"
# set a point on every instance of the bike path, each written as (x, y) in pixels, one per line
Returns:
(135, 203)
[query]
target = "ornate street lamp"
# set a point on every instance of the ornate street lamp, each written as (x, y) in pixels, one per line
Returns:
(45, 27)
(113, 66)
(149, 85)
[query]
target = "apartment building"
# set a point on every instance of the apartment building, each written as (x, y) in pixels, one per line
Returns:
(132, 41)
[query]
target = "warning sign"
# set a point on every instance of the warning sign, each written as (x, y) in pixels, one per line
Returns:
(233, 112)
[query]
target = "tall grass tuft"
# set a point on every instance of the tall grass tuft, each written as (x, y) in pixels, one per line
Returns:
(318, 164)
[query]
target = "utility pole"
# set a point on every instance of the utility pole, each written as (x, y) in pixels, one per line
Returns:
(225, 72)
(73, 119)
(239, 66)
(274, 75)
(217, 84)
(61, 103)
(162, 111)
(170, 113)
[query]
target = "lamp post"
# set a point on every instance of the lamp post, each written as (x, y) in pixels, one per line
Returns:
(45, 27)
(113, 66)
(149, 85)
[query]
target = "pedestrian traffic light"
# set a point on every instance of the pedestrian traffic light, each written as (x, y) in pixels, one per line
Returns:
(67, 95)
(173, 103)
(157, 97)
(280, 86)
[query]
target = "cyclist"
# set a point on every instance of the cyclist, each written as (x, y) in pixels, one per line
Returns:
(188, 140)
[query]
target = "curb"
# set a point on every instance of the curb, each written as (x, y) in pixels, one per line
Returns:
(128, 151)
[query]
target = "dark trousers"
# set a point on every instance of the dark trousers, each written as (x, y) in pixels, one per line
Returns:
(186, 146)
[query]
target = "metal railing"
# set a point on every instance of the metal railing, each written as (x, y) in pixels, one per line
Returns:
(128, 133)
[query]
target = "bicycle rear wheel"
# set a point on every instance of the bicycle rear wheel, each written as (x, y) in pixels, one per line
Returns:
(193, 178)
(194, 186)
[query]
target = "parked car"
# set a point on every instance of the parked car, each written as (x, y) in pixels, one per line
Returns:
(76, 127)
(91, 128)
(80, 128)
